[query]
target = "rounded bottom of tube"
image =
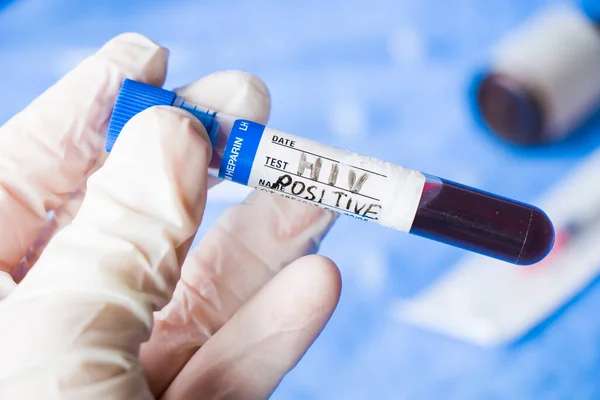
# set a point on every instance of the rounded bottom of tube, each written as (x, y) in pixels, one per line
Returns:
(539, 240)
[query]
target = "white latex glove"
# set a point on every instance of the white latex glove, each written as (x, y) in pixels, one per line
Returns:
(228, 324)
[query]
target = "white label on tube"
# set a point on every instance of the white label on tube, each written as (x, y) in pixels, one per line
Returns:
(348, 183)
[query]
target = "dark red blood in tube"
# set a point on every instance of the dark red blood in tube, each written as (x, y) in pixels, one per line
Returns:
(483, 223)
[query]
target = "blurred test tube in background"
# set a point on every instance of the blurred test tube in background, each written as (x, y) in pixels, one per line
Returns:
(542, 82)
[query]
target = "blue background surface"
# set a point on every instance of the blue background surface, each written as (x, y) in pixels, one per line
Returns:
(388, 78)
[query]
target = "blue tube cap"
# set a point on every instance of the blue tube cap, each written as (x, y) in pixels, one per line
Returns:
(134, 98)
(591, 8)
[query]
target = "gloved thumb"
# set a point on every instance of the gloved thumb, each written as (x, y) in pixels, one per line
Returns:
(72, 328)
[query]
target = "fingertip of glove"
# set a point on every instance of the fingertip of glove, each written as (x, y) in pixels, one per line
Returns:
(232, 92)
(249, 82)
(146, 59)
(322, 271)
(167, 124)
(316, 286)
(131, 39)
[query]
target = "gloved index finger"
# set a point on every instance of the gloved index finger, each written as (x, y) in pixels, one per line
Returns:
(48, 150)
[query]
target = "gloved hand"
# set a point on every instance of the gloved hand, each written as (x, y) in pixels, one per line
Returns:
(106, 310)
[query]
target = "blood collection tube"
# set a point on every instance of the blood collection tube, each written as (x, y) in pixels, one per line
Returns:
(364, 188)
(543, 80)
